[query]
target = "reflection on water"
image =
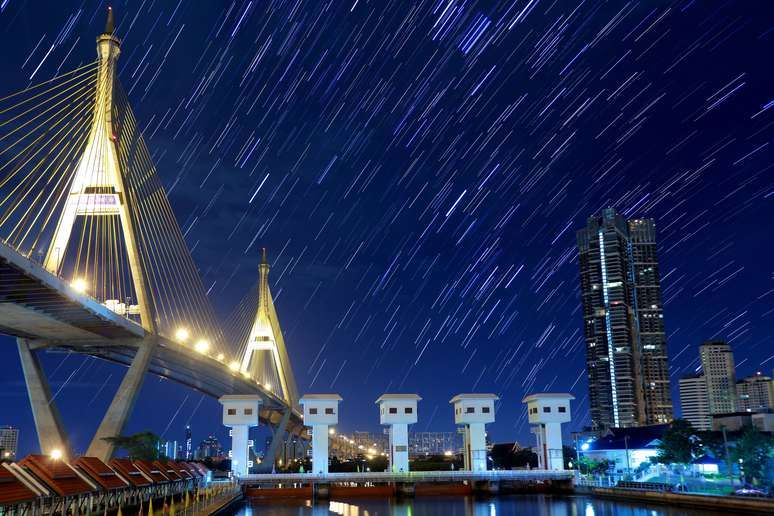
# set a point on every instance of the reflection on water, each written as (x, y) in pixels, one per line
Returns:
(538, 505)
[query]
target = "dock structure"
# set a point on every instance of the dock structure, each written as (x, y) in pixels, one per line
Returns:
(322, 486)
(40, 484)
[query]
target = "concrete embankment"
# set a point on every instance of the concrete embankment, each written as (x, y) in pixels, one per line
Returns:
(695, 501)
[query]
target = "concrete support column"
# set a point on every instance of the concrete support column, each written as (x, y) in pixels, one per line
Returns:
(476, 437)
(399, 447)
(239, 434)
(271, 456)
(118, 413)
(320, 449)
(48, 421)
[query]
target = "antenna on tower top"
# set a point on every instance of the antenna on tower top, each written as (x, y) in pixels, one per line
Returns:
(263, 256)
(109, 24)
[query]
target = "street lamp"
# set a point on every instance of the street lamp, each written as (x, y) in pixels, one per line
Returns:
(202, 346)
(182, 334)
(56, 454)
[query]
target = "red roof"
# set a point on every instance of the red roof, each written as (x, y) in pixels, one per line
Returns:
(56, 474)
(151, 470)
(201, 467)
(13, 490)
(99, 472)
(130, 472)
(181, 469)
(193, 470)
(168, 469)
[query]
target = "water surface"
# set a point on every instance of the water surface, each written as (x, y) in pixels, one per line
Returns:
(522, 505)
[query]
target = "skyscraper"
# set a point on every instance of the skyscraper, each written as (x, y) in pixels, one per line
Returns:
(694, 402)
(9, 440)
(188, 443)
(756, 393)
(626, 353)
(717, 363)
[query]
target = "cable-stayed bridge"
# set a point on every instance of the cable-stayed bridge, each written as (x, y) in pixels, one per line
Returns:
(92, 261)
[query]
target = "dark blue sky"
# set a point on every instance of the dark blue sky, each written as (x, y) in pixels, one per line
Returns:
(417, 171)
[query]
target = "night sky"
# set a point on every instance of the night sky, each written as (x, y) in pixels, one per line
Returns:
(417, 171)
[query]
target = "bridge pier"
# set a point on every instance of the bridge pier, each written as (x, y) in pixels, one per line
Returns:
(48, 420)
(121, 407)
(277, 438)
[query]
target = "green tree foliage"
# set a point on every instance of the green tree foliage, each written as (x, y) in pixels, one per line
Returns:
(755, 450)
(679, 444)
(139, 446)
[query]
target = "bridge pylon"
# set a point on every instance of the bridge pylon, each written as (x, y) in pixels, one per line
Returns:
(265, 345)
(98, 188)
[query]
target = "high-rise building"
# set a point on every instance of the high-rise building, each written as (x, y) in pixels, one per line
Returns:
(188, 443)
(694, 402)
(756, 393)
(209, 447)
(717, 363)
(626, 352)
(9, 442)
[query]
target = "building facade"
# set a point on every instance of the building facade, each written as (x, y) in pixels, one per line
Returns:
(9, 442)
(694, 402)
(626, 351)
(755, 393)
(717, 364)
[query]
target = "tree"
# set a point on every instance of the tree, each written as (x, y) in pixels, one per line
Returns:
(679, 444)
(753, 451)
(139, 446)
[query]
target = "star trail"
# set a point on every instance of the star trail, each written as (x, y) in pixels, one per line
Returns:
(417, 171)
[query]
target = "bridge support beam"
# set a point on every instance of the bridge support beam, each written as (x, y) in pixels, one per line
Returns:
(278, 438)
(48, 421)
(115, 418)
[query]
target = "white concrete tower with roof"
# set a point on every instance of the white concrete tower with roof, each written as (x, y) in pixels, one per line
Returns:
(474, 411)
(398, 411)
(547, 411)
(240, 412)
(320, 412)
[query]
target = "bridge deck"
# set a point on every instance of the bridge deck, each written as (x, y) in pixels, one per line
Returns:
(45, 309)
(534, 475)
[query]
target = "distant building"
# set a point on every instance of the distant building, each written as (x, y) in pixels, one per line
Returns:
(168, 449)
(378, 442)
(626, 351)
(434, 443)
(9, 442)
(736, 421)
(625, 448)
(755, 393)
(188, 443)
(717, 364)
(694, 402)
(209, 448)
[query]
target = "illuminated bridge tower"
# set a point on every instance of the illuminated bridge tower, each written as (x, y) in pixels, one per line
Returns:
(97, 190)
(265, 349)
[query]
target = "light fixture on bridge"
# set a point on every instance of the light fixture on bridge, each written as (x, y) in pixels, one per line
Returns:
(182, 334)
(202, 346)
(234, 366)
(267, 386)
(56, 454)
(220, 357)
(80, 285)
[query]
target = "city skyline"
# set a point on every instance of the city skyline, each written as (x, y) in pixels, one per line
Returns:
(387, 259)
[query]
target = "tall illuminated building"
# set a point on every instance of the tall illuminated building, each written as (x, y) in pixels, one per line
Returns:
(188, 443)
(626, 352)
(717, 363)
